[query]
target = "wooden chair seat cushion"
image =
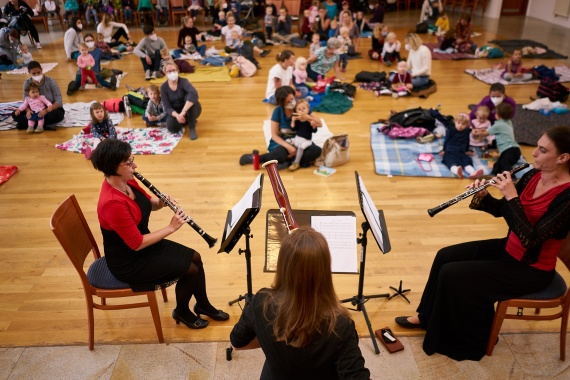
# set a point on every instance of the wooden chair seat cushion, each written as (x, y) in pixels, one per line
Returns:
(556, 289)
(101, 277)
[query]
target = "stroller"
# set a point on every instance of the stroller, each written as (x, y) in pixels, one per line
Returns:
(19, 21)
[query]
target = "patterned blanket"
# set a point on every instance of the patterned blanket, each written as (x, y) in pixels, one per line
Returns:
(491, 76)
(400, 157)
(441, 55)
(142, 140)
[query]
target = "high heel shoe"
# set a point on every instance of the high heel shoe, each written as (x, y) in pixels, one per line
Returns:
(199, 323)
(219, 316)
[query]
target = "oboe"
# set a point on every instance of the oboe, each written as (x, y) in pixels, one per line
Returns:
(470, 192)
(174, 207)
(280, 195)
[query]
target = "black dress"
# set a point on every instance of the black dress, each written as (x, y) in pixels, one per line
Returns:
(159, 264)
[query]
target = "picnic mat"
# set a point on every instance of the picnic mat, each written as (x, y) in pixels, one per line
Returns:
(446, 56)
(530, 125)
(142, 140)
(202, 74)
(24, 70)
(6, 172)
(491, 76)
(76, 115)
(400, 157)
(511, 45)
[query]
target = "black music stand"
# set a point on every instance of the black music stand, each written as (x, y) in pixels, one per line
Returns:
(237, 224)
(374, 221)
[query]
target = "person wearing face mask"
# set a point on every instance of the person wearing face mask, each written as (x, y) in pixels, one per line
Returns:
(325, 59)
(96, 53)
(9, 43)
(279, 148)
(50, 90)
(72, 39)
(148, 50)
(180, 101)
(496, 96)
(419, 60)
(21, 8)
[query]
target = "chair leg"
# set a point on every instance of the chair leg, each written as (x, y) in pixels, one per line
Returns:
(563, 331)
(497, 323)
(155, 315)
(90, 320)
(164, 295)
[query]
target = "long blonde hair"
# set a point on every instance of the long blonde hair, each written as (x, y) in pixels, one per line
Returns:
(302, 298)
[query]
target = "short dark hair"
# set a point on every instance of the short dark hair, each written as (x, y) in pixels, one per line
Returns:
(497, 87)
(148, 29)
(33, 65)
(109, 154)
(282, 93)
(505, 111)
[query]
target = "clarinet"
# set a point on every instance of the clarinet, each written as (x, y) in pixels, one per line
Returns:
(174, 207)
(468, 193)
(280, 195)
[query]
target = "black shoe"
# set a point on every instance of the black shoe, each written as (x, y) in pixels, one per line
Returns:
(246, 159)
(193, 135)
(403, 321)
(472, 106)
(283, 165)
(71, 88)
(190, 320)
(219, 316)
(264, 53)
(113, 86)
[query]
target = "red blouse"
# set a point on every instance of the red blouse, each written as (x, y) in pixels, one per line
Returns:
(534, 209)
(118, 212)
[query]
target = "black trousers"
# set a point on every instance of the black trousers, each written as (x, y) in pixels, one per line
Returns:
(280, 154)
(192, 116)
(52, 117)
(507, 160)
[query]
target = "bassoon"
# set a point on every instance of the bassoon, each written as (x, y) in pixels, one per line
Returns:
(280, 195)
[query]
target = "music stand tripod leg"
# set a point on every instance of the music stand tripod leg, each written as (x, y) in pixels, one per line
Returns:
(399, 292)
(247, 253)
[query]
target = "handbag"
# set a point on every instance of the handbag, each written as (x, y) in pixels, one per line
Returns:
(335, 152)
(427, 158)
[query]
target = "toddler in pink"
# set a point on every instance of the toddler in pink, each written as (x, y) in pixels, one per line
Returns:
(85, 62)
(36, 103)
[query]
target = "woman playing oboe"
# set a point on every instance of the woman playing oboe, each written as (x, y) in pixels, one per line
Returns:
(143, 259)
(299, 323)
(457, 306)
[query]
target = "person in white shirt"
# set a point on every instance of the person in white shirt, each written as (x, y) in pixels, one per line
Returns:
(106, 26)
(419, 60)
(281, 74)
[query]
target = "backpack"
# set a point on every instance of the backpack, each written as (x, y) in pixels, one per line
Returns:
(298, 42)
(137, 99)
(344, 88)
(369, 76)
(415, 117)
(114, 105)
(245, 66)
(553, 90)
(422, 28)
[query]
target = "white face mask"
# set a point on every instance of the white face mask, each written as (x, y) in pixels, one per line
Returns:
(90, 44)
(497, 100)
(37, 78)
(291, 105)
(154, 37)
(407, 47)
(172, 76)
(79, 26)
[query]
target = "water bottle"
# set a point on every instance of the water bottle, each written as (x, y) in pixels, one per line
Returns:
(127, 105)
(327, 88)
(319, 78)
(256, 159)
(439, 107)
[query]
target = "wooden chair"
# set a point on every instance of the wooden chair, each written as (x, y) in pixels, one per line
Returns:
(71, 229)
(177, 7)
(556, 295)
(40, 18)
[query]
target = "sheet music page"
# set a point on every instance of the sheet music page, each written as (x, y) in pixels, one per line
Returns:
(371, 213)
(244, 203)
(340, 232)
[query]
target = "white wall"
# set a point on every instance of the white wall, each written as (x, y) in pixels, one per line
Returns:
(544, 10)
(493, 9)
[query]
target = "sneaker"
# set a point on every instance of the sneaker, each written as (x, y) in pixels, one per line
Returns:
(40, 129)
(113, 85)
(30, 129)
(294, 167)
(246, 159)
(82, 88)
(476, 174)
(38, 45)
(71, 88)
(153, 75)
(98, 85)
(264, 53)
(147, 75)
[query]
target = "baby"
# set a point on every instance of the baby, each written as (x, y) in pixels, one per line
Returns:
(401, 84)
(481, 123)
(25, 54)
(456, 154)
(391, 49)
(300, 72)
(514, 70)
(315, 44)
(85, 62)
(236, 44)
(333, 28)
(154, 114)
(36, 103)
(183, 65)
(304, 129)
(268, 21)
(344, 38)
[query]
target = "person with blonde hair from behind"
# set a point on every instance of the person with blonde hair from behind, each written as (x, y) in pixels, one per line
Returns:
(299, 322)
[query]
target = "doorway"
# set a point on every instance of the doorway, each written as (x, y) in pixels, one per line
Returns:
(514, 7)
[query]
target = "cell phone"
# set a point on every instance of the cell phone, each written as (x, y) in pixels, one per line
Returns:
(387, 336)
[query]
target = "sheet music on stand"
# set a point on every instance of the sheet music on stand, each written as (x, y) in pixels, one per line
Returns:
(241, 215)
(373, 216)
(338, 227)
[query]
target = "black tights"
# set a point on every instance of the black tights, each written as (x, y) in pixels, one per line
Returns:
(193, 283)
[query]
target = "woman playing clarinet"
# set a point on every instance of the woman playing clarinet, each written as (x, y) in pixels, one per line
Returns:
(299, 323)
(143, 259)
(457, 306)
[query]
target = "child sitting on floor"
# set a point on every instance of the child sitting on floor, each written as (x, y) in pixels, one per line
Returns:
(481, 123)
(304, 129)
(183, 66)
(456, 153)
(36, 103)
(514, 70)
(25, 54)
(154, 114)
(391, 49)
(300, 72)
(401, 84)
(101, 127)
(442, 24)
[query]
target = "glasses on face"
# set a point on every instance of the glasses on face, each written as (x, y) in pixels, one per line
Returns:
(129, 163)
(171, 71)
